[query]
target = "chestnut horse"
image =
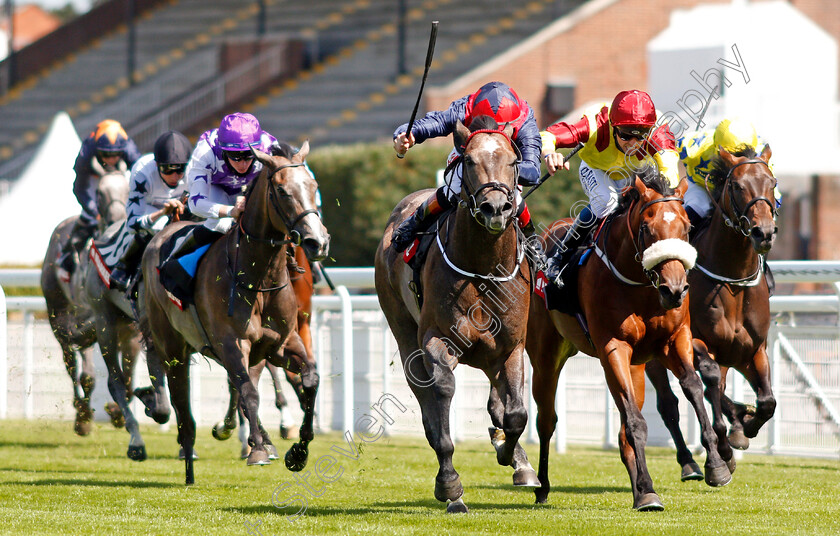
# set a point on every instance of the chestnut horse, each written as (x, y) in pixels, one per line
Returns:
(245, 309)
(730, 299)
(68, 309)
(633, 299)
(475, 289)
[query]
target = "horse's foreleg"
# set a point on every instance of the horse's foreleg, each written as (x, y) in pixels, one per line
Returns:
(511, 389)
(108, 344)
(129, 343)
(680, 360)
(667, 404)
(178, 374)
(223, 430)
(298, 454)
(154, 397)
(757, 374)
(623, 380)
(710, 374)
(235, 354)
(523, 473)
(82, 388)
(254, 373)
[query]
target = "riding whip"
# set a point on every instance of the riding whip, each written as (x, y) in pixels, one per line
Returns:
(545, 177)
(429, 53)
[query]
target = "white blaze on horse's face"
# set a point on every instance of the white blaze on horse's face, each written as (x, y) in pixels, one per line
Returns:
(669, 217)
(301, 185)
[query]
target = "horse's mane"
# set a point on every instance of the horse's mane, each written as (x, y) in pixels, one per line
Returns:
(651, 178)
(718, 169)
(484, 122)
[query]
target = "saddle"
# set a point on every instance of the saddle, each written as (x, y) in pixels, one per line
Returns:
(177, 274)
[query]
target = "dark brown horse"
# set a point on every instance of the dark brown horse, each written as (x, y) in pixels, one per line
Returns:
(730, 299)
(245, 310)
(301, 280)
(633, 300)
(68, 310)
(475, 289)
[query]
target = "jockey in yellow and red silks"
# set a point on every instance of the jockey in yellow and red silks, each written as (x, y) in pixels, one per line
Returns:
(618, 141)
(698, 149)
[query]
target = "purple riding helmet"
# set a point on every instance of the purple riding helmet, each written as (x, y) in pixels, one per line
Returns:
(238, 132)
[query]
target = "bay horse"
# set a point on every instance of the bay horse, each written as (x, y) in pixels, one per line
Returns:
(68, 310)
(475, 290)
(730, 299)
(303, 285)
(244, 308)
(633, 300)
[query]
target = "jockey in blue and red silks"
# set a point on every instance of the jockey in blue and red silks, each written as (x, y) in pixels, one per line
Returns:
(496, 100)
(108, 148)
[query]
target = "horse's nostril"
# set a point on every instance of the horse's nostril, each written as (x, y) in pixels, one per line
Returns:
(487, 209)
(311, 244)
(506, 208)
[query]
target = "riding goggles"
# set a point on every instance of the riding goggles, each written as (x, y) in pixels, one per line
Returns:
(629, 133)
(168, 169)
(239, 156)
(109, 154)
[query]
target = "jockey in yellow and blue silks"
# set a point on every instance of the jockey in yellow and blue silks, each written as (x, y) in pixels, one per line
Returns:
(494, 99)
(697, 151)
(618, 141)
(108, 148)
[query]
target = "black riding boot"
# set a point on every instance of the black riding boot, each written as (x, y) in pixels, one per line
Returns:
(422, 219)
(128, 263)
(80, 233)
(575, 236)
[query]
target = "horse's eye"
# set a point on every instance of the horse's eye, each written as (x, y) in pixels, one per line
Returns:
(468, 160)
(737, 186)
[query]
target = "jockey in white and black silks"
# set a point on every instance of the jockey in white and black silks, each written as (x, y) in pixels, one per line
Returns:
(618, 141)
(496, 100)
(108, 148)
(157, 192)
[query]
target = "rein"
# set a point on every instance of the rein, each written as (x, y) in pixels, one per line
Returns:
(520, 254)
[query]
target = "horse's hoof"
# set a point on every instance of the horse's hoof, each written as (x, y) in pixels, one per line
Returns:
(650, 502)
(82, 428)
(691, 471)
(448, 491)
(457, 507)
(737, 440)
(296, 457)
(272, 452)
(258, 457)
(146, 395)
(526, 477)
(113, 410)
(730, 464)
(718, 476)
(138, 454)
(290, 432)
(541, 495)
(182, 457)
(220, 432)
(246, 450)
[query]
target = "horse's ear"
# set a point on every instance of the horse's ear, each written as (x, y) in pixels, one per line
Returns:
(509, 130)
(727, 157)
(682, 187)
(766, 154)
(460, 135)
(261, 156)
(300, 156)
(640, 185)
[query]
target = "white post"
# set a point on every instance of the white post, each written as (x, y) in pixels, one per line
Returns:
(315, 329)
(775, 360)
(560, 433)
(347, 369)
(28, 336)
(533, 435)
(386, 364)
(609, 429)
(454, 411)
(4, 363)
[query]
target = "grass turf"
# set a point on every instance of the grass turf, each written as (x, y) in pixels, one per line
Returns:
(53, 482)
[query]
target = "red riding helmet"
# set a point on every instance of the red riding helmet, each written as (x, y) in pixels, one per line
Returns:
(632, 107)
(499, 101)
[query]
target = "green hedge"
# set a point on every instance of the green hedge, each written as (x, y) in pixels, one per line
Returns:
(361, 184)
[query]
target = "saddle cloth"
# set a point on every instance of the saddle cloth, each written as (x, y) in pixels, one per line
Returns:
(177, 274)
(107, 249)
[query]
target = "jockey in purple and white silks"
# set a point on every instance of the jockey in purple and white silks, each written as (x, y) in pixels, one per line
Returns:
(157, 189)
(221, 165)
